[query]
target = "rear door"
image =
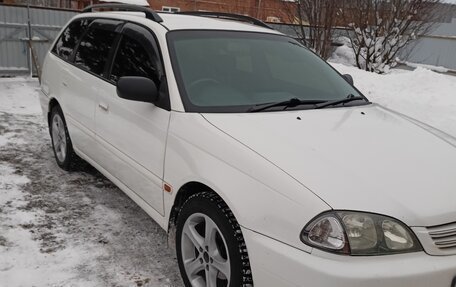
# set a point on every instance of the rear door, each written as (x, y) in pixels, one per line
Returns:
(132, 135)
(60, 82)
(82, 76)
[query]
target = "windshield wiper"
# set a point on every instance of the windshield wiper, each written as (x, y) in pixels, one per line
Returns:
(291, 103)
(348, 99)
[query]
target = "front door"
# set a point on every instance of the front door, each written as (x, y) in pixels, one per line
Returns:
(132, 135)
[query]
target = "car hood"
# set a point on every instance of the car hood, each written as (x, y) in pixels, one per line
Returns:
(362, 158)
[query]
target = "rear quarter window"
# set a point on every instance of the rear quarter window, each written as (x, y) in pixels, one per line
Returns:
(69, 38)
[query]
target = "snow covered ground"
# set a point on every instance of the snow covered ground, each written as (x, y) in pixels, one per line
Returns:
(67, 229)
(427, 96)
(77, 229)
(422, 94)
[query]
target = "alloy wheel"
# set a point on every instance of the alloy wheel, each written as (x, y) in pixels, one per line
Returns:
(59, 137)
(205, 253)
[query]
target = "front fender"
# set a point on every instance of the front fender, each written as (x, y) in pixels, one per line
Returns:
(263, 198)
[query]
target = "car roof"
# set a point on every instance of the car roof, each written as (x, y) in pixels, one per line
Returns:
(182, 22)
(185, 22)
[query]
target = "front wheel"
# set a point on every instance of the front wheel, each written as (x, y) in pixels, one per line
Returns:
(211, 251)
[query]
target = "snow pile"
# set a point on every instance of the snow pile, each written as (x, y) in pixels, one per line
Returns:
(439, 69)
(421, 94)
(343, 54)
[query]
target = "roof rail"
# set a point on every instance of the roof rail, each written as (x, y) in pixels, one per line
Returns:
(228, 16)
(150, 14)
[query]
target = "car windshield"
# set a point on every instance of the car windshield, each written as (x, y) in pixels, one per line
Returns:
(225, 71)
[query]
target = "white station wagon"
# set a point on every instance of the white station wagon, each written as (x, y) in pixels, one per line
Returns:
(265, 165)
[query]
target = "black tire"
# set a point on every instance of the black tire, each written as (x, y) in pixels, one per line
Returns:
(215, 208)
(70, 160)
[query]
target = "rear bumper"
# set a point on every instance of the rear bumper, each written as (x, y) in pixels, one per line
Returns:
(277, 264)
(44, 103)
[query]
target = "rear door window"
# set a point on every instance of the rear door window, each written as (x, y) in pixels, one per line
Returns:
(93, 50)
(69, 38)
(137, 55)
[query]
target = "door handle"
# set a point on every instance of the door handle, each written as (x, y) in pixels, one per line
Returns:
(64, 84)
(103, 106)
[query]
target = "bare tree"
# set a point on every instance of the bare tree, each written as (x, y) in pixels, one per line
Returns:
(314, 22)
(381, 28)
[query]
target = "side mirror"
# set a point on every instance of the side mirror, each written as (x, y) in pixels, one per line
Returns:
(137, 89)
(349, 79)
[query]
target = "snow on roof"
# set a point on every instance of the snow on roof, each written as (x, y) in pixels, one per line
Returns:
(133, 2)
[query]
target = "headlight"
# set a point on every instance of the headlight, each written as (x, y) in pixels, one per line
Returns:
(359, 233)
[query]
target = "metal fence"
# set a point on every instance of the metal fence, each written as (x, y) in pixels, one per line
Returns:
(438, 48)
(45, 24)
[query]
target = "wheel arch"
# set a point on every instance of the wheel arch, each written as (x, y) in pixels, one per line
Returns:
(190, 189)
(184, 192)
(52, 103)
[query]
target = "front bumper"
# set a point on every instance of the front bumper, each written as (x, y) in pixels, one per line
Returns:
(277, 264)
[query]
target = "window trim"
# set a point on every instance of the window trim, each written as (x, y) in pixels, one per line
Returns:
(166, 105)
(153, 43)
